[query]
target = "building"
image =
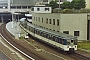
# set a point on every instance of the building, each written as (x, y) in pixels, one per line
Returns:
(73, 24)
(16, 5)
(41, 9)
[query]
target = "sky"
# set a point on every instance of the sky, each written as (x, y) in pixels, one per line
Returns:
(69, 0)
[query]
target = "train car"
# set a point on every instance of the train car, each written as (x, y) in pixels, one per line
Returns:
(62, 41)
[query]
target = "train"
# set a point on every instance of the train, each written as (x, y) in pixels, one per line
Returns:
(65, 42)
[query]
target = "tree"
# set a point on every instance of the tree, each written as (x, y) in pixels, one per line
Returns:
(66, 5)
(53, 4)
(78, 4)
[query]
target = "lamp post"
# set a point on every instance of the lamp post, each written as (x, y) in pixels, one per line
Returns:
(59, 4)
(12, 20)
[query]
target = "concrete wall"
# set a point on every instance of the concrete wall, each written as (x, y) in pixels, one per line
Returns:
(74, 22)
(44, 24)
(68, 22)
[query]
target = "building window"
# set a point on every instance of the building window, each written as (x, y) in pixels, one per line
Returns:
(38, 9)
(76, 33)
(18, 7)
(24, 7)
(66, 32)
(36, 18)
(57, 22)
(39, 19)
(60, 0)
(46, 9)
(45, 0)
(49, 21)
(53, 30)
(53, 21)
(57, 31)
(42, 20)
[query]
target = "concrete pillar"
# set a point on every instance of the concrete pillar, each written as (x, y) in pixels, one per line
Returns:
(8, 5)
(87, 4)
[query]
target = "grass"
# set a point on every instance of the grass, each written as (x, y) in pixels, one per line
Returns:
(84, 45)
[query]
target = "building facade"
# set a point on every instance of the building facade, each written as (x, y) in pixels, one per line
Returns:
(65, 23)
(16, 5)
(72, 24)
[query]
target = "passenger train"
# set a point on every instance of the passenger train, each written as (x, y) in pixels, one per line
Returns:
(62, 41)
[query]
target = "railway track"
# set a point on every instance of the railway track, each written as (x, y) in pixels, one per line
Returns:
(7, 36)
(27, 52)
(78, 56)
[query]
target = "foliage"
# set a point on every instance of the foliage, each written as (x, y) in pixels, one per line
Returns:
(76, 4)
(53, 4)
(67, 11)
(71, 10)
(66, 5)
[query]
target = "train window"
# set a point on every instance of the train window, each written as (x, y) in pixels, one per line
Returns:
(40, 33)
(56, 39)
(32, 29)
(65, 41)
(35, 31)
(60, 40)
(44, 34)
(50, 36)
(53, 38)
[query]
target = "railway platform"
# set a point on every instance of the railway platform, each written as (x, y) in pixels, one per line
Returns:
(8, 53)
(15, 30)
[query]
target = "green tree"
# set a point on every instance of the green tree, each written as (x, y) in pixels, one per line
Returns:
(78, 4)
(66, 5)
(53, 4)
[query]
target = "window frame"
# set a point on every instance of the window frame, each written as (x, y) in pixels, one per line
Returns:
(76, 33)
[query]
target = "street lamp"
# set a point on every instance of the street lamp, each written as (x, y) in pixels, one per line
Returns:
(59, 4)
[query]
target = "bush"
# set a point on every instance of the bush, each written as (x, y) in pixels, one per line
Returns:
(67, 11)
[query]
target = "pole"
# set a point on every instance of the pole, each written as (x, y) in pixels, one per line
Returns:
(8, 5)
(59, 4)
(12, 20)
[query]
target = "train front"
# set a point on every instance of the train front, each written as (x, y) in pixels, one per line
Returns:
(71, 45)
